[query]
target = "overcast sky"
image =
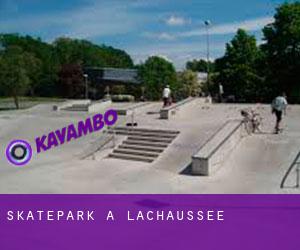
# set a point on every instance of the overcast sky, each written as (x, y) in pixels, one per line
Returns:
(170, 28)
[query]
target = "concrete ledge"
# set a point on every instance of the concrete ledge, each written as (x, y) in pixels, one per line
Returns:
(215, 151)
(99, 105)
(166, 113)
(130, 109)
(70, 103)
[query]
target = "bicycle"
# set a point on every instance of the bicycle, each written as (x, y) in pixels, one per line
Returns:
(252, 121)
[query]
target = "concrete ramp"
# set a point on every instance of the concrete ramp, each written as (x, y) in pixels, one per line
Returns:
(259, 164)
(171, 111)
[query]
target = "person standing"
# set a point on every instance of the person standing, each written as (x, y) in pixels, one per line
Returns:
(166, 96)
(221, 93)
(279, 105)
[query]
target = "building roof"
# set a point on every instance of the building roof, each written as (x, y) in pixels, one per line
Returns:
(112, 75)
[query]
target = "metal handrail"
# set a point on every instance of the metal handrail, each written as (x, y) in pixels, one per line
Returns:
(295, 163)
(297, 174)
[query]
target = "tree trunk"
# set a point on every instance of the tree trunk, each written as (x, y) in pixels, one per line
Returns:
(16, 100)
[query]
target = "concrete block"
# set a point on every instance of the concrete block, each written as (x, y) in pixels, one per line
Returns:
(101, 105)
(125, 111)
(168, 112)
(214, 152)
(70, 103)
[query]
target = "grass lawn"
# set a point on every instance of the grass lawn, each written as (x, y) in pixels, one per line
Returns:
(7, 103)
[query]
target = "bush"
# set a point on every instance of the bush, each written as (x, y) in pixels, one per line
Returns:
(122, 98)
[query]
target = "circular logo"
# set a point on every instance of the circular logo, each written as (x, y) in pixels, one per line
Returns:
(19, 152)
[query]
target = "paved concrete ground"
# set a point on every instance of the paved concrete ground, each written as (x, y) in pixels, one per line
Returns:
(256, 166)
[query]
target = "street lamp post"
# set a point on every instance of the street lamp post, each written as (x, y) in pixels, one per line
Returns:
(207, 24)
(86, 86)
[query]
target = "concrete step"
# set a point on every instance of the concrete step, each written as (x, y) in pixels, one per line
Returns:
(131, 157)
(80, 105)
(150, 139)
(76, 108)
(138, 133)
(147, 130)
(135, 152)
(142, 148)
(146, 143)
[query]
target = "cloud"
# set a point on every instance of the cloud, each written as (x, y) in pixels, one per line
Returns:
(179, 49)
(177, 52)
(93, 20)
(219, 29)
(160, 36)
(230, 28)
(176, 21)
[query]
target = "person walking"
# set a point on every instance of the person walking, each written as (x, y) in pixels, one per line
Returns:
(166, 96)
(279, 105)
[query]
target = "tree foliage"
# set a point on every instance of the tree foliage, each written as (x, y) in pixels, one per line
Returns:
(188, 83)
(282, 51)
(156, 73)
(72, 82)
(249, 72)
(238, 68)
(200, 65)
(86, 54)
(45, 66)
(14, 78)
(47, 62)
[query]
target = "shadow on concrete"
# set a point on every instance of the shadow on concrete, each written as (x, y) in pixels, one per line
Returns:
(188, 171)
(264, 133)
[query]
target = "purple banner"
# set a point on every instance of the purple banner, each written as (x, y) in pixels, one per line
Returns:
(132, 222)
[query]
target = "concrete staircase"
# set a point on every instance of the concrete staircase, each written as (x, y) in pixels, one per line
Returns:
(142, 144)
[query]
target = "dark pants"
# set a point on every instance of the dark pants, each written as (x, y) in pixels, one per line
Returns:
(166, 101)
(278, 115)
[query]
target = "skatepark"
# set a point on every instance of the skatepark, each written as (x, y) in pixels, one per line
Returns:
(164, 153)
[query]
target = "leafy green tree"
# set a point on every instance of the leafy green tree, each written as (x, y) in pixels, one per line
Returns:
(71, 81)
(42, 63)
(156, 73)
(282, 51)
(14, 79)
(238, 68)
(85, 53)
(200, 66)
(34, 70)
(188, 82)
(45, 61)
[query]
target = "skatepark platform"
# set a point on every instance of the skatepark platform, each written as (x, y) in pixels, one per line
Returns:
(83, 105)
(89, 106)
(256, 165)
